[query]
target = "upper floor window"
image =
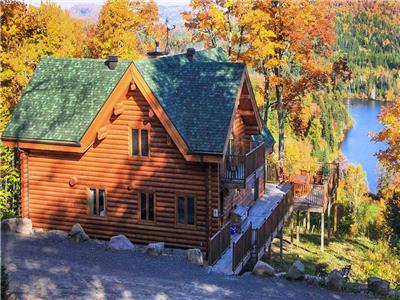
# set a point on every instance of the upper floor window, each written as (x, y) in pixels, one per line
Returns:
(185, 210)
(97, 202)
(147, 206)
(139, 142)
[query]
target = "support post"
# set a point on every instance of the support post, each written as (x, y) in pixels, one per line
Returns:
(281, 243)
(335, 216)
(298, 227)
(322, 230)
(329, 221)
(291, 230)
(308, 221)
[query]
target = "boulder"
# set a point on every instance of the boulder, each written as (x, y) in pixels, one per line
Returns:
(314, 280)
(9, 225)
(195, 256)
(356, 287)
(24, 226)
(77, 234)
(263, 269)
(378, 286)
(120, 242)
(155, 249)
(17, 225)
(296, 271)
(335, 281)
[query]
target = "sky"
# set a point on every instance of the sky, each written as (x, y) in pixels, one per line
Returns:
(69, 3)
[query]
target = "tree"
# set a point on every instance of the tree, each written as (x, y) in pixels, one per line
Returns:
(127, 28)
(390, 134)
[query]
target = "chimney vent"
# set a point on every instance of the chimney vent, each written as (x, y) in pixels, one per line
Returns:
(157, 51)
(112, 61)
(190, 52)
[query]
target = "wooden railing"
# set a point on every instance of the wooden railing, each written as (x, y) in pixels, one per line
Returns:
(236, 168)
(271, 223)
(219, 243)
(241, 248)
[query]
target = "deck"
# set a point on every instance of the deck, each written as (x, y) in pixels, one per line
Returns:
(261, 210)
(313, 202)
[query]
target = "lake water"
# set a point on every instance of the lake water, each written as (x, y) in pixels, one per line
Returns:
(357, 145)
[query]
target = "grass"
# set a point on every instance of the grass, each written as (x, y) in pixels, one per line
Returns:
(366, 258)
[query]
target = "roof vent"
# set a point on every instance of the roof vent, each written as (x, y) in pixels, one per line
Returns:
(157, 51)
(112, 61)
(190, 52)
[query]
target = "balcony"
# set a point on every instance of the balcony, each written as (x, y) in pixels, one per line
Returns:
(237, 168)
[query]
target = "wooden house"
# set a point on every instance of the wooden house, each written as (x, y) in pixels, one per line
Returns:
(161, 149)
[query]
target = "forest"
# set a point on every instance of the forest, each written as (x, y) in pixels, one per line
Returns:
(304, 57)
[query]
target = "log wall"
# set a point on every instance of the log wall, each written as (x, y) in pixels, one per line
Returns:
(54, 204)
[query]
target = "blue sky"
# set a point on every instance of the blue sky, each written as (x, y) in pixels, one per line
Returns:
(69, 3)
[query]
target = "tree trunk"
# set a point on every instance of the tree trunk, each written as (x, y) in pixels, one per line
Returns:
(281, 119)
(266, 98)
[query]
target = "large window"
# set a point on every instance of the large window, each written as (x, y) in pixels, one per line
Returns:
(139, 142)
(97, 202)
(147, 206)
(185, 210)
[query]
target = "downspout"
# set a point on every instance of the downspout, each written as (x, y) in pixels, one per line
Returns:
(28, 181)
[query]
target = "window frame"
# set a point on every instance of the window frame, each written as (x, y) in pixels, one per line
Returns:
(139, 127)
(139, 197)
(186, 196)
(97, 188)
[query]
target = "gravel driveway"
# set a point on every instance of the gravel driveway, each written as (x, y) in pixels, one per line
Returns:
(47, 266)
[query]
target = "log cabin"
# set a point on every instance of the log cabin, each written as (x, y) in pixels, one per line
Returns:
(160, 149)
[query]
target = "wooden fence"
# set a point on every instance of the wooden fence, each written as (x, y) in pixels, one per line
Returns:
(241, 248)
(218, 244)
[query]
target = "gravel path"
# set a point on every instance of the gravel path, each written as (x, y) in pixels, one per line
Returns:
(47, 266)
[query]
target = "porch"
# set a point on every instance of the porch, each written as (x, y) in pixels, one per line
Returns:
(265, 220)
(315, 188)
(236, 169)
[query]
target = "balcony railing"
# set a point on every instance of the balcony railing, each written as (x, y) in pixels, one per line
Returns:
(237, 168)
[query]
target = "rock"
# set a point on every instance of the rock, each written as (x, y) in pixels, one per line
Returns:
(335, 281)
(378, 286)
(58, 233)
(17, 225)
(155, 249)
(195, 256)
(356, 287)
(280, 274)
(296, 271)
(120, 242)
(263, 269)
(77, 234)
(24, 226)
(311, 279)
(9, 225)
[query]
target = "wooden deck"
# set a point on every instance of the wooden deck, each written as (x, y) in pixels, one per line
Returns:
(313, 202)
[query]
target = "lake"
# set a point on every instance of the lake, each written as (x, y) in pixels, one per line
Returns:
(357, 145)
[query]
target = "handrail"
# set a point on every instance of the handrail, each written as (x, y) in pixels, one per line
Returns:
(218, 243)
(240, 167)
(241, 248)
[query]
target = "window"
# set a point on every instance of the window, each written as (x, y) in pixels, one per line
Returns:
(147, 204)
(185, 209)
(139, 142)
(97, 202)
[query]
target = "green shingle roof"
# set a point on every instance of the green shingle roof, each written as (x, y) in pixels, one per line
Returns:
(62, 99)
(197, 96)
(65, 95)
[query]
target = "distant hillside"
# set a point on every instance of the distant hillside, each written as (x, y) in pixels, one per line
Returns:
(90, 12)
(173, 13)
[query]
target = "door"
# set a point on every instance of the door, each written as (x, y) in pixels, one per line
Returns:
(256, 186)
